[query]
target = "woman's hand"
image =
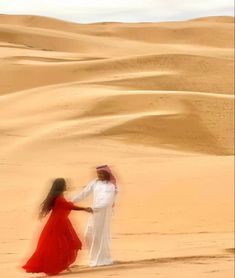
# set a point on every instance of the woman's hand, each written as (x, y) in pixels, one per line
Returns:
(90, 210)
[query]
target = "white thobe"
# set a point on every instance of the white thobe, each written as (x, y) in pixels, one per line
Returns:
(97, 233)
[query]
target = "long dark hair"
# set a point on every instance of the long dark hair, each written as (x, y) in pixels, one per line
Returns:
(58, 187)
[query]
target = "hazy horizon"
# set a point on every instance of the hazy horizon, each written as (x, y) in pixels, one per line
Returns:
(81, 11)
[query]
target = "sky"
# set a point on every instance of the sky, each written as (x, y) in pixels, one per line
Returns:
(87, 11)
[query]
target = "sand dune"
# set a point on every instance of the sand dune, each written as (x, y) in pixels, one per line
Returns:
(197, 31)
(165, 72)
(187, 121)
(219, 19)
(51, 40)
(38, 21)
(153, 100)
(186, 126)
(201, 34)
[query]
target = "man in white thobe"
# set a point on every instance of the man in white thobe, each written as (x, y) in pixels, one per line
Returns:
(97, 233)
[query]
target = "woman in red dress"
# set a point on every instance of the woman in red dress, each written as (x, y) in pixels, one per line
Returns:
(58, 243)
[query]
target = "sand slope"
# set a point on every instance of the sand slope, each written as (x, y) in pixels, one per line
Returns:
(154, 100)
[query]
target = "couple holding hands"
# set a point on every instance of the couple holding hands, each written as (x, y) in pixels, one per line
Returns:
(58, 243)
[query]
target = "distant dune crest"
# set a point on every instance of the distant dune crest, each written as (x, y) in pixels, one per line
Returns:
(219, 19)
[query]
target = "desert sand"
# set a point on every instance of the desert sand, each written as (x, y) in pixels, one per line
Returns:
(153, 100)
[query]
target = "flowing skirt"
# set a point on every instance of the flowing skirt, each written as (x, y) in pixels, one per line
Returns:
(57, 248)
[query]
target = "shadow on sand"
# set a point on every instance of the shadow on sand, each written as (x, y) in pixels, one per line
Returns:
(122, 265)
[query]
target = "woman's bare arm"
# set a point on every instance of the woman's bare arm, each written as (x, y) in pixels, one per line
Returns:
(88, 209)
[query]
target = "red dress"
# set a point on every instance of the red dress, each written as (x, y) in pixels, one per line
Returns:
(58, 243)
